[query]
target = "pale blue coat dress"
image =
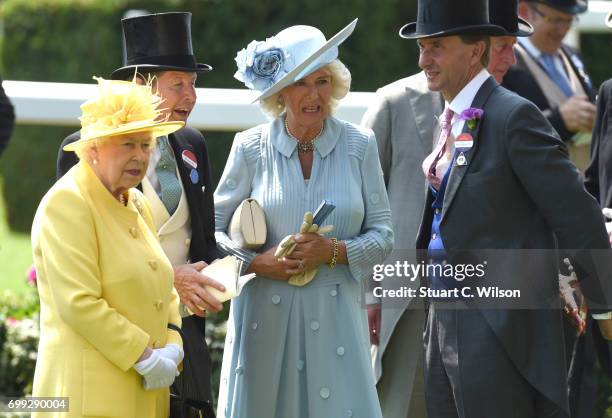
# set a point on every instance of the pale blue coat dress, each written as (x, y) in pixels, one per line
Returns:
(297, 352)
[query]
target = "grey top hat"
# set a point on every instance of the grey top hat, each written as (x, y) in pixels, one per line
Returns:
(158, 42)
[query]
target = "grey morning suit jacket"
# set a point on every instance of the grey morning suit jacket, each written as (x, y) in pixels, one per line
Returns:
(403, 118)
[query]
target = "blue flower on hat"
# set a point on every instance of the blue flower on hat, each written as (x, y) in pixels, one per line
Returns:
(261, 64)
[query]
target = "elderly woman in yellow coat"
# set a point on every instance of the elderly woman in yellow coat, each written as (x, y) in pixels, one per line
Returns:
(105, 285)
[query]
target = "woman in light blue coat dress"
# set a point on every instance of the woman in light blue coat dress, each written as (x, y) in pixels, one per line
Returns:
(302, 351)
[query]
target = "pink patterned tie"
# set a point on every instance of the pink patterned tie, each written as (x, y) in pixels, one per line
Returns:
(430, 164)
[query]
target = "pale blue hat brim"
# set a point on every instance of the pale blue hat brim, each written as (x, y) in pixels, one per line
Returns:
(321, 57)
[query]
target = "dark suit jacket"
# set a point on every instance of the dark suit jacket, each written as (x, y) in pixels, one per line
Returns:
(519, 190)
(598, 180)
(599, 173)
(203, 244)
(7, 119)
(520, 80)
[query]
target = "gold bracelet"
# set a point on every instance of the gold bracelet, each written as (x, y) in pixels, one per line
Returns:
(332, 263)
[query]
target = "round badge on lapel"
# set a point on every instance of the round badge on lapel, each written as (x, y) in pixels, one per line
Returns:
(464, 141)
(189, 159)
(194, 176)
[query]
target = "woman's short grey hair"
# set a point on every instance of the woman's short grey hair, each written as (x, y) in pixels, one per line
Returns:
(341, 84)
(82, 151)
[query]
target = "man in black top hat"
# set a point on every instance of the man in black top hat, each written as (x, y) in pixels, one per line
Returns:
(495, 179)
(403, 119)
(178, 180)
(550, 73)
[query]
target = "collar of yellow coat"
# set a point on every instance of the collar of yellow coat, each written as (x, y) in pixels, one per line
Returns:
(90, 185)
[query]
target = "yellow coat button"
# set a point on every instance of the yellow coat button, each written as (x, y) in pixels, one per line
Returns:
(188, 241)
(157, 344)
(158, 305)
(133, 232)
(153, 264)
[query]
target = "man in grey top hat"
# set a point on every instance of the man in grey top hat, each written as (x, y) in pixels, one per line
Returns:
(178, 181)
(495, 179)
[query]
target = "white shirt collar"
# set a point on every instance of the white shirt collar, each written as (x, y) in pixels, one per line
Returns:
(464, 99)
(466, 96)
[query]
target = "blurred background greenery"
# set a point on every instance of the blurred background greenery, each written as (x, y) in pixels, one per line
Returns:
(71, 40)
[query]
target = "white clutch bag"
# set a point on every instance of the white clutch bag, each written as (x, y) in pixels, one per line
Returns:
(227, 272)
(248, 225)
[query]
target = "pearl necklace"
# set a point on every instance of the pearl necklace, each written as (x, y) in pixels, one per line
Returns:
(303, 146)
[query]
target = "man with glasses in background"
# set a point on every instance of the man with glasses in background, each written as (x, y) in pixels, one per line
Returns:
(549, 72)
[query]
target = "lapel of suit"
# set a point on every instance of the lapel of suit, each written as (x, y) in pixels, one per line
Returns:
(458, 171)
(425, 108)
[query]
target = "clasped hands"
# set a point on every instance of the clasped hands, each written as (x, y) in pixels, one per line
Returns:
(159, 366)
(306, 249)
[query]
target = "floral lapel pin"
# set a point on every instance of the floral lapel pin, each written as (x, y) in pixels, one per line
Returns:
(471, 116)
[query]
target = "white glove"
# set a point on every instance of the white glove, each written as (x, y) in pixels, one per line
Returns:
(173, 352)
(157, 371)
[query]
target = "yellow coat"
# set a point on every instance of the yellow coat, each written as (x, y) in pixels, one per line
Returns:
(106, 293)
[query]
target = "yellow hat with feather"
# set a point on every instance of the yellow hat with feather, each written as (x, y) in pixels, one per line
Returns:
(122, 108)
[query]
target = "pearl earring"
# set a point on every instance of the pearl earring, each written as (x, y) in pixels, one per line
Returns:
(280, 103)
(95, 161)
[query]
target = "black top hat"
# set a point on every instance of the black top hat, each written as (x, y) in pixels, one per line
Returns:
(451, 17)
(572, 7)
(158, 42)
(504, 13)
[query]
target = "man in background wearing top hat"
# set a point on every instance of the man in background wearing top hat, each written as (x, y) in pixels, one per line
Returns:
(495, 179)
(551, 74)
(178, 180)
(403, 118)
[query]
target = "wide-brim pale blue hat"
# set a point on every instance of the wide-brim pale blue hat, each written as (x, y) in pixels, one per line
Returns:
(271, 65)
